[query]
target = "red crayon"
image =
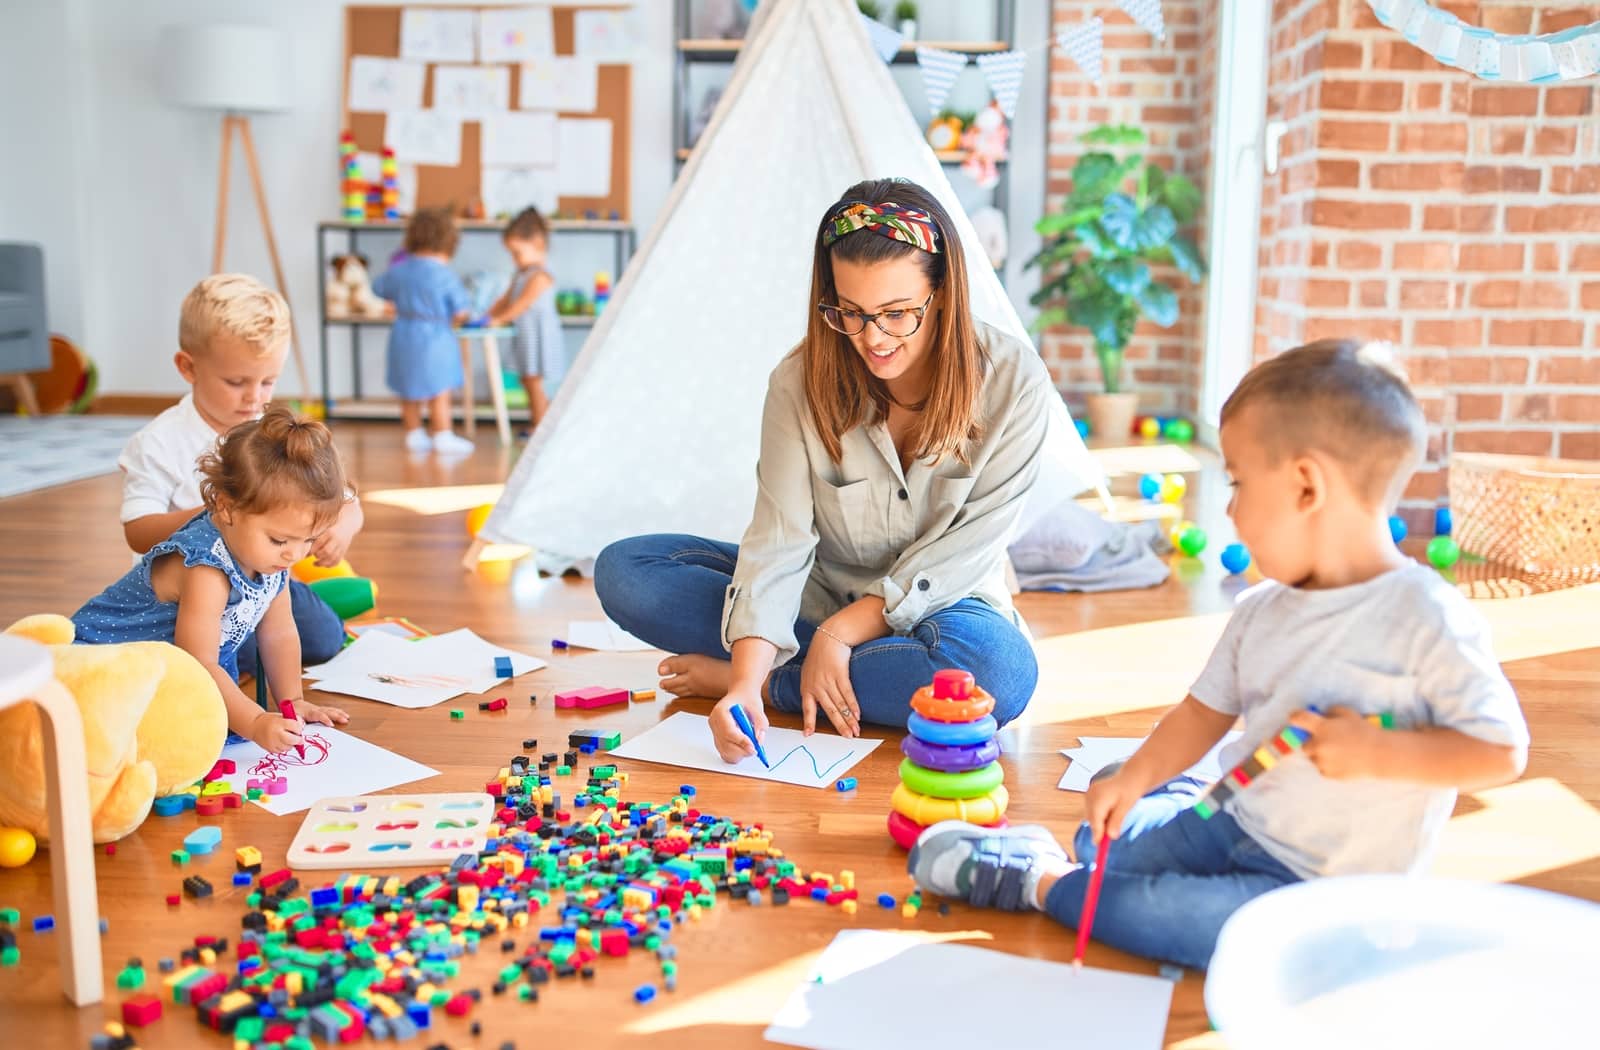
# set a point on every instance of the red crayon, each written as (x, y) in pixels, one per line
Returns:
(1091, 897)
(286, 709)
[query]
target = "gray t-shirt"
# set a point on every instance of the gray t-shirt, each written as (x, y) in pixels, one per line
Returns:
(1404, 642)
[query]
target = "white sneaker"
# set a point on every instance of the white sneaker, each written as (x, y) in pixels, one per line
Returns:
(418, 441)
(450, 443)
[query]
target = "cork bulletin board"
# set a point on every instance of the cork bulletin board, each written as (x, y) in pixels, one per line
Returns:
(375, 30)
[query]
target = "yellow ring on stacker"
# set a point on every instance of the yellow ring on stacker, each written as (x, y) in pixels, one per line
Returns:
(925, 809)
(970, 783)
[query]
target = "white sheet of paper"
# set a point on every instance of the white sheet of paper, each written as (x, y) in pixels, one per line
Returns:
(603, 635)
(335, 764)
(815, 761)
(405, 175)
(605, 36)
(378, 85)
(423, 136)
(565, 83)
(524, 140)
(583, 158)
(1025, 1002)
(472, 92)
(1094, 753)
(515, 34)
(506, 191)
(420, 673)
(433, 34)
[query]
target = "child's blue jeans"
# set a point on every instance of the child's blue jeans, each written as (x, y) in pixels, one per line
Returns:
(668, 590)
(1172, 878)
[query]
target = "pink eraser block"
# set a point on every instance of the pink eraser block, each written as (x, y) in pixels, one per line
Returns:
(278, 787)
(592, 696)
(256, 782)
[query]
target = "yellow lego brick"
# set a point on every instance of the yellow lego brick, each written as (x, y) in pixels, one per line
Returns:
(847, 879)
(234, 999)
(425, 991)
(519, 920)
(208, 957)
(294, 983)
(392, 885)
(178, 976)
(247, 856)
(849, 906)
(908, 911)
(584, 939)
(384, 1005)
(467, 897)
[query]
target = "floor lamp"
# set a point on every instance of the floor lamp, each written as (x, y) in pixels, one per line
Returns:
(237, 70)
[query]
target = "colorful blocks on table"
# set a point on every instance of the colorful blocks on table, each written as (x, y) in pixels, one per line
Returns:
(643, 695)
(141, 1010)
(170, 805)
(196, 887)
(279, 786)
(173, 900)
(456, 714)
(497, 704)
(209, 806)
(591, 697)
(604, 739)
(180, 856)
(845, 784)
(44, 924)
(202, 841)
(242, 878)
(10, 916)
(247, 857)
(216, 787)
(502, 666)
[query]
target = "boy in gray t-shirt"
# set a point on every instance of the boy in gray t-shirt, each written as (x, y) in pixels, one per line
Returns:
(1319, 443)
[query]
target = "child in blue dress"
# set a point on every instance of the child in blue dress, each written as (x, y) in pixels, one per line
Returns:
(271, 487)
(538, 348)
(424, 354)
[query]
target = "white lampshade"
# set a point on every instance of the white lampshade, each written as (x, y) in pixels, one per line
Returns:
(229, 67)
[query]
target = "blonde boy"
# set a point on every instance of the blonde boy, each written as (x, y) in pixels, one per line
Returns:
(233, 335)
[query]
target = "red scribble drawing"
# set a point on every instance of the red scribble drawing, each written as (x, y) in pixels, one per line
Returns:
(271, 767)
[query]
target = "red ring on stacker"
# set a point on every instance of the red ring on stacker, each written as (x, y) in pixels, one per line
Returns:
(904, 831)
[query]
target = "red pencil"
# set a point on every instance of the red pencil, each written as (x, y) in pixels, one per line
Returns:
(1091, 897)
(286, 709)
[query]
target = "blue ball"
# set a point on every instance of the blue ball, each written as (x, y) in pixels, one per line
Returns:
(1150, 486)
(1235, 558)
(1442, 522)
(1083, 428)
(1397, 527)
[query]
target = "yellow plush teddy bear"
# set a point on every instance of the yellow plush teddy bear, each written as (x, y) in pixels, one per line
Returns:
(153, 721)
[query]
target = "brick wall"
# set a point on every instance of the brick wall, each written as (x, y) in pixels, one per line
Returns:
(1158, 87)
(1457, 217)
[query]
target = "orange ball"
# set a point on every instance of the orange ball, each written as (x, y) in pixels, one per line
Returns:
(476, 517)
(307, 571)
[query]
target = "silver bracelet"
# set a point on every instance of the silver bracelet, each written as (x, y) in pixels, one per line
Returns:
(823, 630)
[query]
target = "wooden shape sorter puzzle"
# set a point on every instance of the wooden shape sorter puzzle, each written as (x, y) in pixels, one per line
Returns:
(392, 831)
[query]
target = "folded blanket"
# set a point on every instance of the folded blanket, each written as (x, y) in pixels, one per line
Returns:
(1074, 549)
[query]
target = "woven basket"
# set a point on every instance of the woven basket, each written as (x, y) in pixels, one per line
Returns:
(1533, 514)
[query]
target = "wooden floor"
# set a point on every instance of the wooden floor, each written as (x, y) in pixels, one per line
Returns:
(1111, 664)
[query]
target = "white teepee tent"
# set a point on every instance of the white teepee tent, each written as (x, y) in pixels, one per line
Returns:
(657, 426)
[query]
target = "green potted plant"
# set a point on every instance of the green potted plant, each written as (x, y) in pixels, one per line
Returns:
(905, 13)
(871, 8)
(1122, 217)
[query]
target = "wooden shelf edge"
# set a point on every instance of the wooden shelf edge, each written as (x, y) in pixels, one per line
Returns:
(971, 47)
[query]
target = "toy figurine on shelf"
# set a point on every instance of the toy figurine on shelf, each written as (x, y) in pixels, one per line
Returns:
(350, 293)
(985, 142)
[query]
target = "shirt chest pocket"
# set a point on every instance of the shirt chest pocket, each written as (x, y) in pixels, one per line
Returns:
(851, 523)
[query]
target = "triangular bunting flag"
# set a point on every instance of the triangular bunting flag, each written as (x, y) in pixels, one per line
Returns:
(1085, 45)
(939, 71)
(885, 41)
(1003, 71)
(1148, 14)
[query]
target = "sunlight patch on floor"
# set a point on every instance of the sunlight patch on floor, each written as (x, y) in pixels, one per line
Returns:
(756, 999)
(1542, 624)
(1522, 829)
(1118, 669)
(442, 499)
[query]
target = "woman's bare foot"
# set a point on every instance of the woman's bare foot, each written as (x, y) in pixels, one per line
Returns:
(696, 675)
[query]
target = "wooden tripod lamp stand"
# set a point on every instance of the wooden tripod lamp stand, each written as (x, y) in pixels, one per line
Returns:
(236, 70)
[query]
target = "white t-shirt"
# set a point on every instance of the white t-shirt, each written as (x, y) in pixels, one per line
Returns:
(1405, 642)
(158, 463)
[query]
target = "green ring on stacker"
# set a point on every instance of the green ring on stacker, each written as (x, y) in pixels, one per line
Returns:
(971, 784)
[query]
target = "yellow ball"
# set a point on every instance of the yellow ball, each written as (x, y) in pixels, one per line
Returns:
(1178, 529)
(16, 847)
(1173, 487)
(306, 570)
(1150, 427)
(476, 517)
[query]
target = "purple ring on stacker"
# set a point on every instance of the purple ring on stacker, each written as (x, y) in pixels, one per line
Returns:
(960, 734)
(950, 759)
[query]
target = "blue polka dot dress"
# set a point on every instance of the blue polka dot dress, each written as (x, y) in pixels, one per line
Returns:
(424, 354)
(129, 611)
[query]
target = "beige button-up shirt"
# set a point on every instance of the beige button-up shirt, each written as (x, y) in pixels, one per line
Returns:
(827, 534)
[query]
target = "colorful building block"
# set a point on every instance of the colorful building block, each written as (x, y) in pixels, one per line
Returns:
(591, 697)
(502, 666)
(247, 857)
(202, 841)
(141, 1010)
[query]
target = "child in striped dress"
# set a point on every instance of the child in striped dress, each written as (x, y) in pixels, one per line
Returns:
(529, 305)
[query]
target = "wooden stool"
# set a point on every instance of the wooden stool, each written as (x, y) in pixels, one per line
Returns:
(27, 674)
(489, 339)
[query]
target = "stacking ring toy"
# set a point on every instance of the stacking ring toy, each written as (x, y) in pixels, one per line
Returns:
(940, 709)
(971, 784)
(925, 809)
(950, 759)
(905, 831)
(952, 734)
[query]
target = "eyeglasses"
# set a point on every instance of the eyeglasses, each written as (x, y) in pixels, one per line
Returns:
(896, 324)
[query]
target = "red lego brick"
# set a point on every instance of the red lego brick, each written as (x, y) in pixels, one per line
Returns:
(281, 875)
(206, 987)
(458, 1005)
(141, 1010)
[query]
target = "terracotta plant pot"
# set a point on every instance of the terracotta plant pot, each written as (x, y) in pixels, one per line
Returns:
(1111, 415)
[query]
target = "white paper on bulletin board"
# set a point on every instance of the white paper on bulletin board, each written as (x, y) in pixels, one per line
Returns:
(515, 34)
(378, 85)
(564, 83)
(583, 157)
(432, 34)
(521, 139)
(604, 36)
(424, 136)
(471, 92)
(506, 191)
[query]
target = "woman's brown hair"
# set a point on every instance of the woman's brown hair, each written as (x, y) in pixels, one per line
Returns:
(272, 461)
(432, 230)
(840, 391)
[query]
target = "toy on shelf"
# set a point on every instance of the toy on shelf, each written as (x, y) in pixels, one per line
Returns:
(951, 770)
(1178, 429)
(1173, 488)
(1150, 486)
(352, 190)
(350, 292)
(602, 291)
(389, 171)
(944, 131)
(1149, 428)
(985, 142)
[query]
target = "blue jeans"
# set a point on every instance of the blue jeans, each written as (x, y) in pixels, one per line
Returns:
(321, 633)
(1172, 878)
(668, 590)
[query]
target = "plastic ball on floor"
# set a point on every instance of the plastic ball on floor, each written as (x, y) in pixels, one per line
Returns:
(1443, 552)
(1442, 522)
(1173, 487)
(16, 847)
(1397, 527)
(1175, 533)
(1150, 486)
(1192, 540)
(1149, 427)
(476, 517)
(1082, 426)
(306, 570)
(1235, 558)
(1179, 430)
